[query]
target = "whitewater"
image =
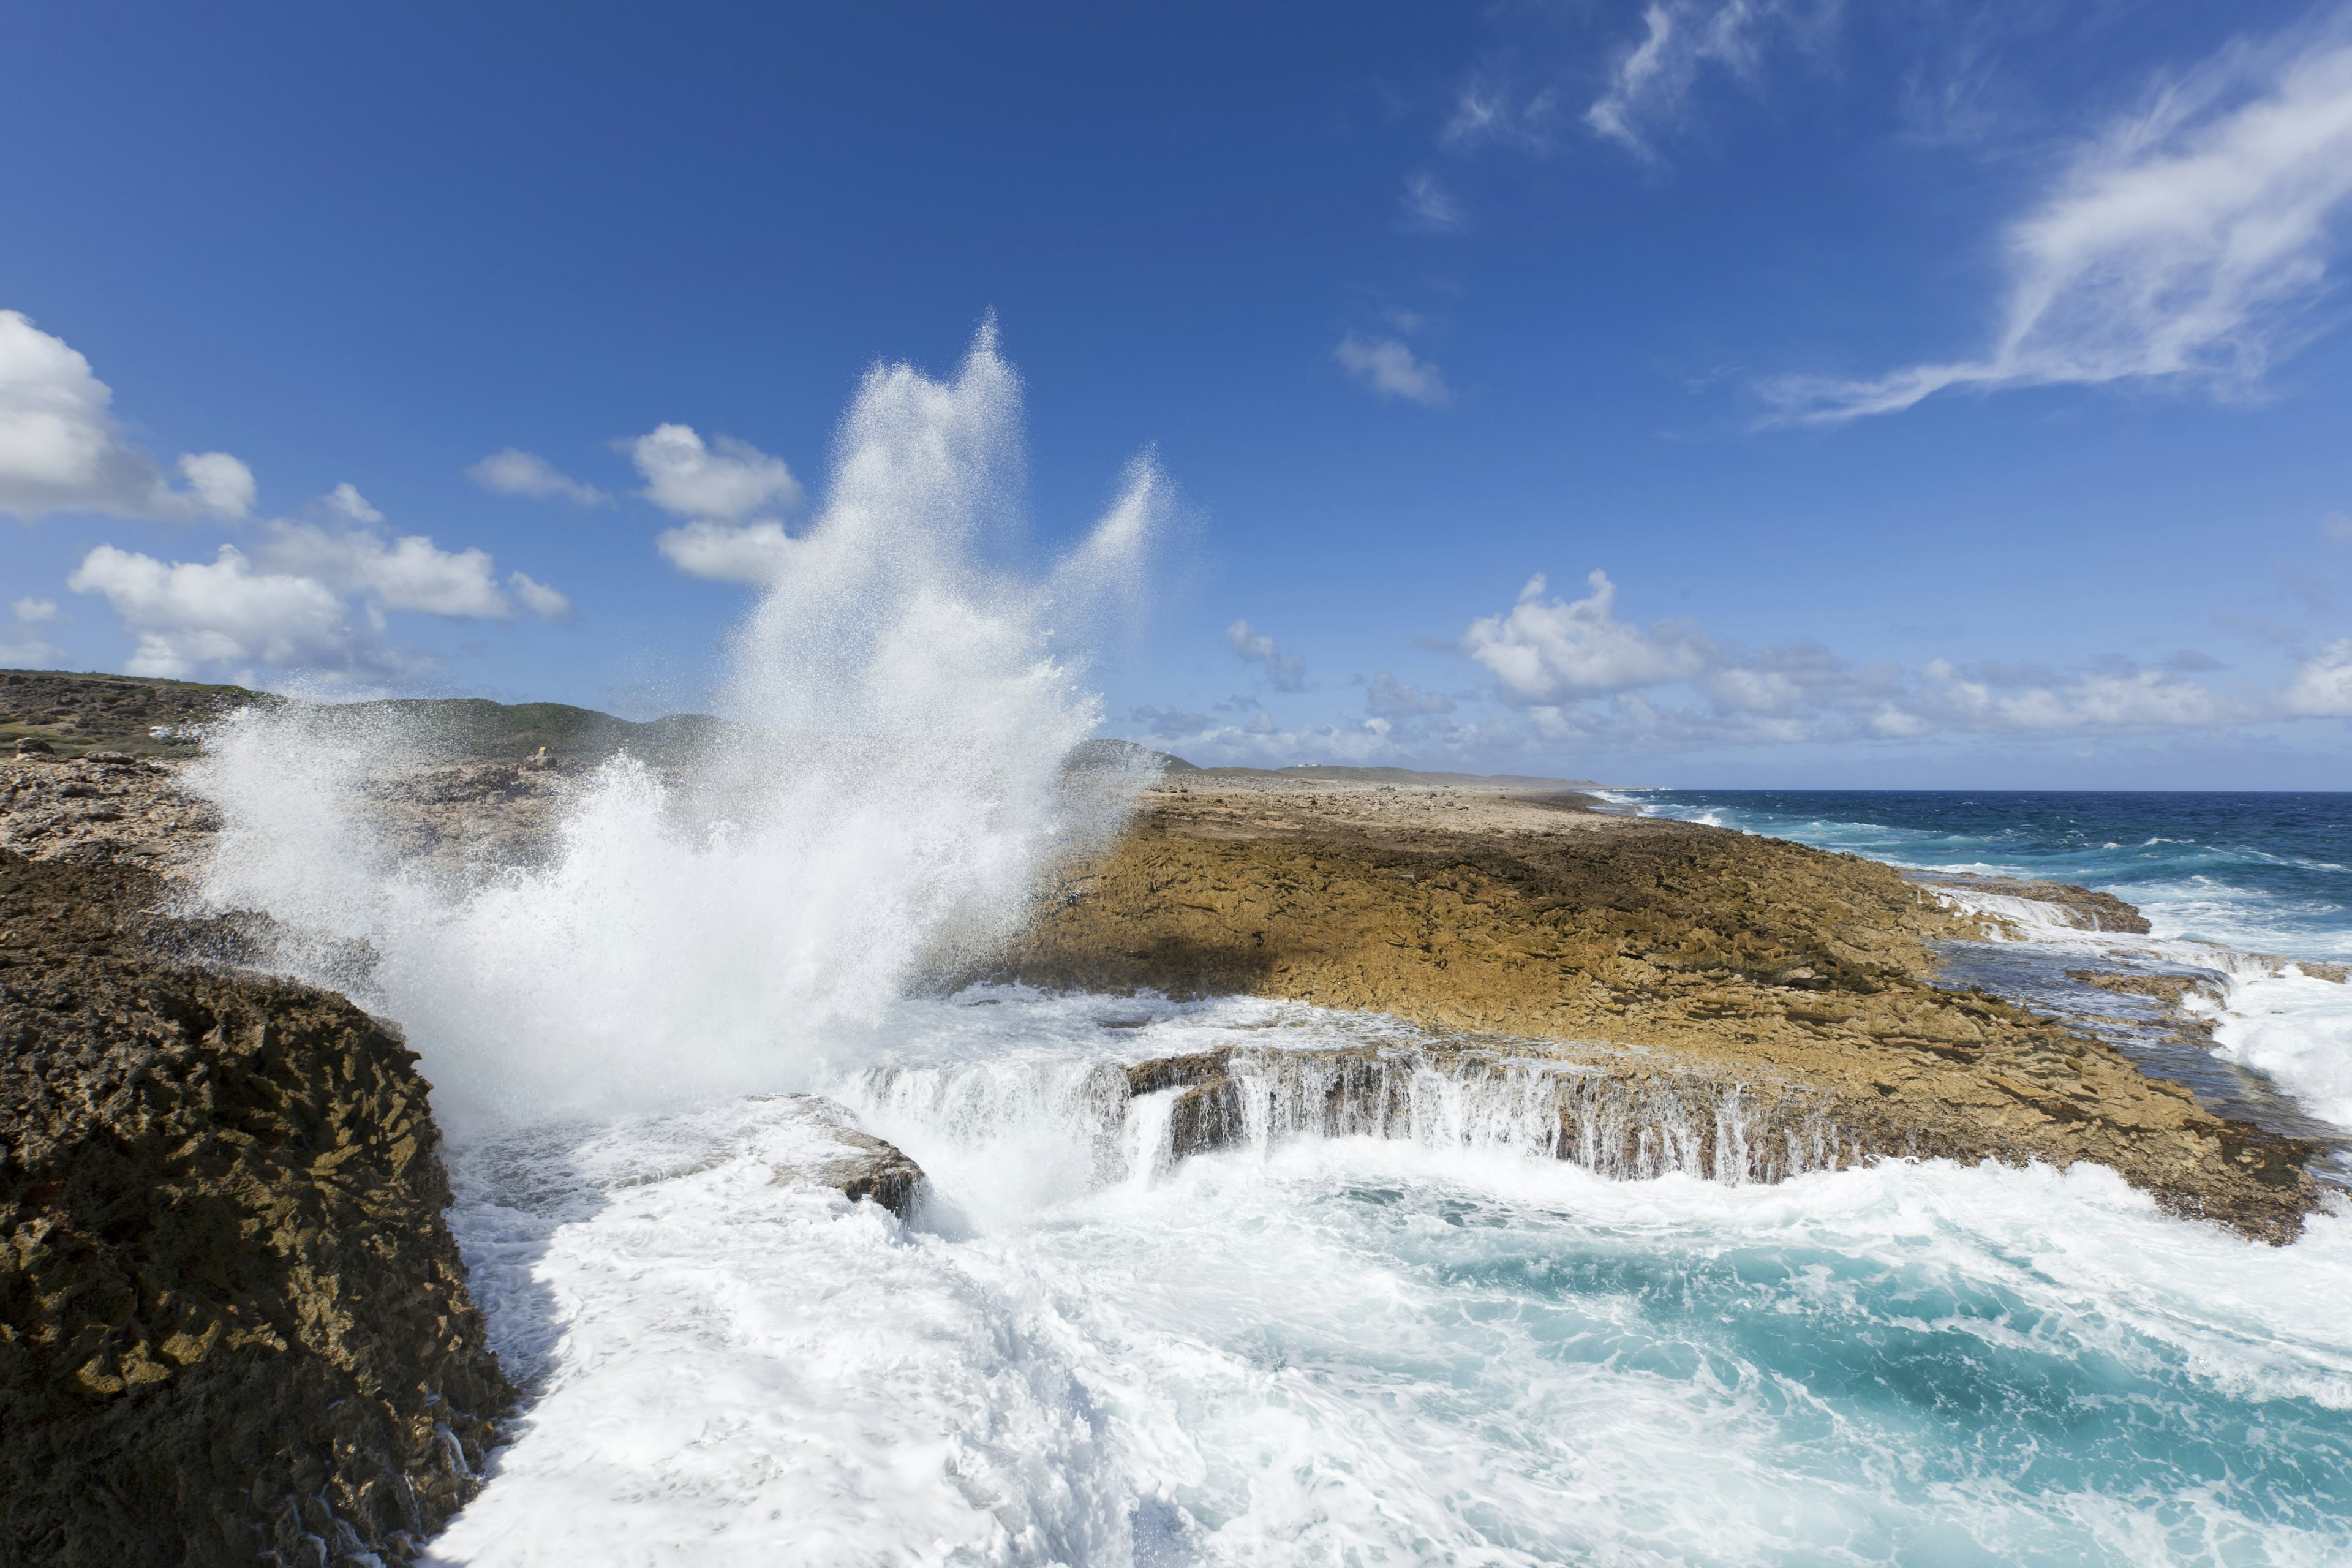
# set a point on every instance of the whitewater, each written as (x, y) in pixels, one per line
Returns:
(1077, 1350)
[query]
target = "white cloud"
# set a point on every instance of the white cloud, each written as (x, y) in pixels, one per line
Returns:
(546, 603)
(1428, 205)
(410, 573)
(62, 450)
(725, 481)
(2322, 686)
(1680, 39)
(346, 502)
(2128, 699)
(1283, 672)
(310, 598)
(511, 471)
(1488, 113)
(1198, 737)
(1547, 650)
(753, 553)
(2336, 527)
(193, 616)
(34, 612)
(2185, 244)
(1391, 369)
(1578, 674)
(219, 485)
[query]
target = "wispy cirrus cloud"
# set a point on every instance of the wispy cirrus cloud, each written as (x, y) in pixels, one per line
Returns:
(1428, 206)
(2186, 244)
(1649, 89)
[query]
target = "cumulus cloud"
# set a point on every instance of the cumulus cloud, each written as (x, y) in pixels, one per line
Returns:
(31, 612)
(1200, 737)
(1545, 650)
(1283, 672)
(223, 614)
(1390, 368)
(1577, 674)
(511, 471)
(345, 501)
(725, 480)
(716, 487)
(753, 553)
(309, 597)
(547, 603)
(411, 573)
(2185, 244)
(61, 448)
(2322, 686)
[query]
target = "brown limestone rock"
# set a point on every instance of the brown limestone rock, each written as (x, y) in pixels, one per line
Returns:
(1734, 957)
(233, 1326)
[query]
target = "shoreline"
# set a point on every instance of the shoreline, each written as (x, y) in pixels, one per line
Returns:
(1506, 912)
(1643, 995)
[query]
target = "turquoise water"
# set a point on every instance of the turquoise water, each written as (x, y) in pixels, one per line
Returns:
(2269, 872)
(1347, 1354)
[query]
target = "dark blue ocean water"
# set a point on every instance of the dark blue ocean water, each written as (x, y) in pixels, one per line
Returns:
(2261, 872)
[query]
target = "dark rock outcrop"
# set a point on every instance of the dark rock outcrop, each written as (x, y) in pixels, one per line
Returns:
(875, 1172)
(233, 1326)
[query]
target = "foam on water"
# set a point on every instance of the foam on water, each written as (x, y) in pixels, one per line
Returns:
(1350, 1351)
(2273, 1017)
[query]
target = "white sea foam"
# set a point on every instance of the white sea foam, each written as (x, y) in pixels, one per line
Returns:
(2272, 1016)
(882, 807)
(1333, 1352)
(2294, 1027)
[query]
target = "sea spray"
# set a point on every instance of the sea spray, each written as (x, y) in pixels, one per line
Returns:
(889, 787)
(1327, 1350)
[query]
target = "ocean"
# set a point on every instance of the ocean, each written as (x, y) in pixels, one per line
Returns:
(1439, 1351)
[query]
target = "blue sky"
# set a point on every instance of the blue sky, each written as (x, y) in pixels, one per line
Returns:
(1950, 393)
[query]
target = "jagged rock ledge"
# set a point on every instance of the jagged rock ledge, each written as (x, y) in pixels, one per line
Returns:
(234, 1325)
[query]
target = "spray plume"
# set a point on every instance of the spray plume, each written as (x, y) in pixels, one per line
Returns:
(876, 815)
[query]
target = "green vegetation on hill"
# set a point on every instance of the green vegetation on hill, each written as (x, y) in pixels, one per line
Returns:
(74, 713)
(77, 713)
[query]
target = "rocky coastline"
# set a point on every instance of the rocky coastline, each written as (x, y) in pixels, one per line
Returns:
(1678, 960)
(234, 1326)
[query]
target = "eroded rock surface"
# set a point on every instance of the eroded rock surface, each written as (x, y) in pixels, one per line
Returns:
(233, 1326)
(1730, 955)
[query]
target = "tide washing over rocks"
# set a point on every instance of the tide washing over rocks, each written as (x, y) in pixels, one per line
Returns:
(879, 1128)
